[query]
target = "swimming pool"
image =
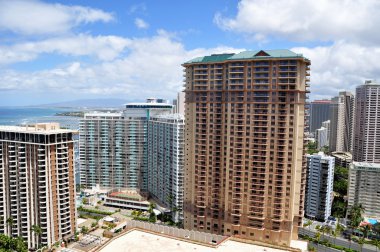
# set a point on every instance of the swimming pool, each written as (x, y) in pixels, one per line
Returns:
(372, 221)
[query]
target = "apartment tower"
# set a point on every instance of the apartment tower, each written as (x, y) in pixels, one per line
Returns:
(102, 152)
(245, 169)
(341, 117)
(319, 187)
(114, 147)
(37, 184)
(166, 162)
(364, 173)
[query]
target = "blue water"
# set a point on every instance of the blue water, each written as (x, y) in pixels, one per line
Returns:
(372, 221)
(29, 115)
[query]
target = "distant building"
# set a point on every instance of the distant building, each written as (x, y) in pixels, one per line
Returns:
(166, 162)
(102, 152)
(322, 135)
(136, 116)
(364, 175)
(367, 123)
(37, 184)
(179, 103)
(343, 159)
(319, 186)
(319, 112)
(364, 187)
(341, 121)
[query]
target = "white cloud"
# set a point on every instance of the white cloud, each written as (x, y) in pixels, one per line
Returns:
(299, 20)
(32, 17)
(141, 24)
(342, 66)
(102, 47)
(152, 67)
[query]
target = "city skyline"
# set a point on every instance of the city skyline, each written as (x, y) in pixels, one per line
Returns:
(91, 49)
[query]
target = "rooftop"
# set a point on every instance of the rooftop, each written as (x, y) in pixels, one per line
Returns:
(366, 165)
(38, 128)
(257, 54)
(137, 240)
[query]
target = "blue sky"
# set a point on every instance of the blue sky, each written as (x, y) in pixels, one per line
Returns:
(52, 51)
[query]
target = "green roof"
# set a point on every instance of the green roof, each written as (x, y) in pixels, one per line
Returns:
(212, 58)
(282, 53)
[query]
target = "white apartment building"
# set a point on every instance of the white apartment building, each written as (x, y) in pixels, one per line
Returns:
(321, 137)
(37, 184)
(102, 151)
(364, 187)
(319, 186)
(166, 162)
(364, 174)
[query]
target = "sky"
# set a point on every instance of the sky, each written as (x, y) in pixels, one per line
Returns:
(54, 51)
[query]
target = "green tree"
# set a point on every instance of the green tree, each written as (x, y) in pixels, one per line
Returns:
(37, 230)
(84, 230)
(5, 241)
(376, 243)
(356, 215)
(308, 223)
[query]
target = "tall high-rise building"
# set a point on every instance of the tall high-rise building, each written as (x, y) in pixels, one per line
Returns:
(319, 112)
(37, 184)
(245, 169)
(319, 186)
(341, 117)
(102, 151)
(114, 147)
(364, 173)
(166, 162)
(366, 147)
(136, 116)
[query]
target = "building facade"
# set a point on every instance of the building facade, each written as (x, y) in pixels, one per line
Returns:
(102, 152)
(366, 146)
(343, 159)
(341, 122)
(245, 171)
(166, 162)
(363, 187)
(321, 137)
(136, 116)
(319, 186)
(319, 112)
(37, 184)
(365, 170)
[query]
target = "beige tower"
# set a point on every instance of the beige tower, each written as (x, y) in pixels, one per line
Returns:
(37, 184)
(245, 167)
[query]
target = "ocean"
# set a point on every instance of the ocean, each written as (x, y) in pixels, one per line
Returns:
(30, 115)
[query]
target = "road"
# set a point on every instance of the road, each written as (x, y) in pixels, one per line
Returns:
(338, 241)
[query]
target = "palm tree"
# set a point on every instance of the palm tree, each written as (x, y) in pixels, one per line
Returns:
(376, 243)
(308, 224)
(356, 215)
(10, 223)
(361, 242)
(37, 230)
(318, 237)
